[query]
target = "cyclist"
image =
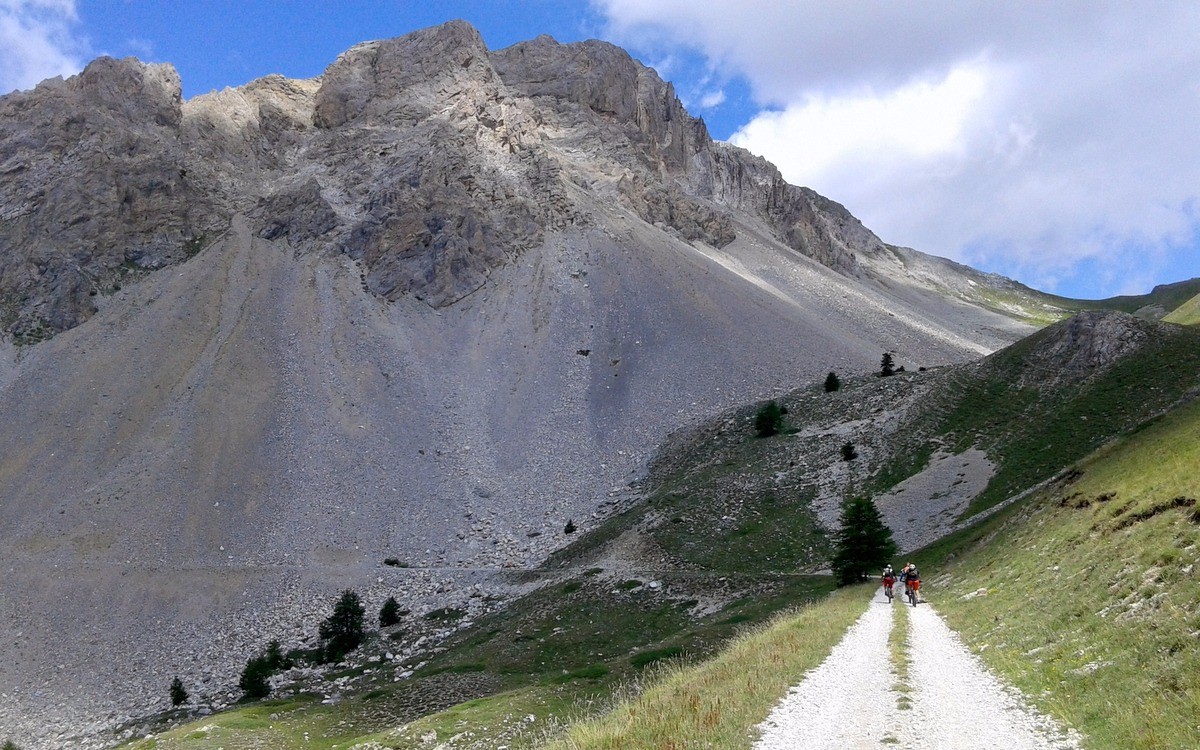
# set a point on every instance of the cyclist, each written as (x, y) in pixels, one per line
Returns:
(912, 580)
(889, 578)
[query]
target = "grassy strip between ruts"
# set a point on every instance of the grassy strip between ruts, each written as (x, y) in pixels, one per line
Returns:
(1087, 596)
(898, 647)
(718, 703)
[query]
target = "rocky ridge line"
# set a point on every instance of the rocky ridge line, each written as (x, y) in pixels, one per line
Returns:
(427, 158)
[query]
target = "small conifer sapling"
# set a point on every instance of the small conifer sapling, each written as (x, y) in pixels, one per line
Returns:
(255, 681)
(342, 631)
(389, 613)
(179, 694)
(769, 419)
(887, 365)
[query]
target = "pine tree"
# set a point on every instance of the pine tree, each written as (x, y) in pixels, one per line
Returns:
(256, 678)
(848, 452)
(832, 383)
(389, 613)
(769, 419)
(275, 659)
(342, 631)
(570, 528)
(179, 695)
(887, 366)
(863, 544)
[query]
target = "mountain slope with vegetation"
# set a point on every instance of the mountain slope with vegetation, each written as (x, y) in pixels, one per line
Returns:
(1083, 594)
(435, 306)
(428, 307)
(1086, 594)
(722, 499)
(648, 584)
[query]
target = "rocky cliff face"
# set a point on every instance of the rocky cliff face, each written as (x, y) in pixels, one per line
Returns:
(93, 179)
(429, 306)
(427, 158)
(1083, 347)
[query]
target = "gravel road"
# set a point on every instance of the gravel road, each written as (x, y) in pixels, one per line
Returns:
(839, 704)
(956, 703)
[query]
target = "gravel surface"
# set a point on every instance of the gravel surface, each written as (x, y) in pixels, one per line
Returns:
(956, 703)
(840, 704)
(959, 705)
(924, 507)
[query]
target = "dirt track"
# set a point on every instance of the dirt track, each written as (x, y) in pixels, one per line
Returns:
(850, 700)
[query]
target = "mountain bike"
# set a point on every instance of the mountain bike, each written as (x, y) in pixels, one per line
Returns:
(887, 591)
(911, 590)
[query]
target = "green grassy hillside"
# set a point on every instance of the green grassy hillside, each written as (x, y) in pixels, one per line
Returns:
(721, 499)
(1050, 399)
(1092, 607)
(1160, 300)
(1187, 314)
(1092, 599)
(717, 703)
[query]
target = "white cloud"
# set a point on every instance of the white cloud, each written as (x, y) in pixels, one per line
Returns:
(1046, 141)
(38, 42)
(824, 137)
(712, 99)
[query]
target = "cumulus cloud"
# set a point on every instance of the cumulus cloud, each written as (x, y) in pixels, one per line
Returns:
(827, 138)
(1045, 141)
(38, 40)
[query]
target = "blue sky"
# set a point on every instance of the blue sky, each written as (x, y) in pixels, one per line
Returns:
(1052, 143)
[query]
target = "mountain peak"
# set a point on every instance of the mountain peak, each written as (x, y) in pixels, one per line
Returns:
(402, 78)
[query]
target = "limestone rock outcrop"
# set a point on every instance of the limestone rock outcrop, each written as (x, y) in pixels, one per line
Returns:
(427, 158)
(93, 179)
(1082, 347)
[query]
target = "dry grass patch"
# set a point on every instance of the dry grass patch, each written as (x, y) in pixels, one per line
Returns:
(717, 704)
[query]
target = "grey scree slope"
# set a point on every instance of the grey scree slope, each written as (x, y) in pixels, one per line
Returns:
(198, 465)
